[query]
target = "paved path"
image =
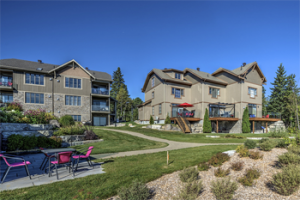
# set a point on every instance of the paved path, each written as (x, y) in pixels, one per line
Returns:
(172, 145)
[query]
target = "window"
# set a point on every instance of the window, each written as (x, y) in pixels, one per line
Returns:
(173, 90)
(153, 95)
(252, 109)
(73, 100)
(34, 98)
(6, 97)
(72, 83)
(215, 92)
(76, 118)
(153, 82)
(177, 75)
(252, 92)
(152, 110)
(178, 92)
(159, 108)
(5, 80)
(35, 79)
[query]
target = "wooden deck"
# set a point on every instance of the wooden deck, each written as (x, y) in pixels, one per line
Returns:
(191, 119)
(223, 119)
(263, 119)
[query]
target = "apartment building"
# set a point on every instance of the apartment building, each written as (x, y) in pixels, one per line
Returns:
(67, 89)
(225, 93)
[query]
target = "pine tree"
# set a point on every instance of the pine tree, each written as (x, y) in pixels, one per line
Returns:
(151, 120)
(135, 102)
(118, 82)
(206, 123)
(278, 98)
(292, 94)
(122, 98)
(246, 123)
(264, 101)
(168, 120)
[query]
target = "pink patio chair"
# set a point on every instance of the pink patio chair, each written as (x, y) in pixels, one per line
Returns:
(63, 158)
(85, 156)
(17, 164)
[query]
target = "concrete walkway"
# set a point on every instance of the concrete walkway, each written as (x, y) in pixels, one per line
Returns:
(172, 145)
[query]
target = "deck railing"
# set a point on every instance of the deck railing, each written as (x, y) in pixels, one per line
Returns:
(100, 108)
(261, 114)
(6, 83)
(186, 114)
(100, 91)
(224, 115)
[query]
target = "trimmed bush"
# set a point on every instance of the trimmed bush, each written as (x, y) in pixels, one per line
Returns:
(168, 120)
(223, 189)
(278, 134)
(242, 150)
(136, 191)
(14, 142)
(206, 123)
(66, 120)
(189, 174)
(263, 140)
(281, 144)
(203, 166)
(289, 158)
(250, 144)
(294, 149)
(151, 120)
(218, 159)
(190, 191)
(267, 145)
(29, 142)
(221, 172)
(249, 177)
(255, 155)
(287, 181)
(237, 166)
(245, 122)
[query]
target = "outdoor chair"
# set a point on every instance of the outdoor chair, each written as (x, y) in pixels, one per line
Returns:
(44, 163)
(63, 158)
(268, 116)
(17, 164)
(84, 156)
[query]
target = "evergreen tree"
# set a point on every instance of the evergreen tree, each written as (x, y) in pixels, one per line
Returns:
(278, 98)
(118, 82)
(151, 120)
(292, 95)
(246, 123)
(206, 123)
(135, 102)
(264, 101)
(123, 99)
(168, 120)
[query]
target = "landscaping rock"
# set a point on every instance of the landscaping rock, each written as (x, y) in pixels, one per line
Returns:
(149, 126)
(213, 136)
(130, 125)
(230, 152)
(156, 126)
(168, 127)
(176, 128)
(144, 126)
(54, 123)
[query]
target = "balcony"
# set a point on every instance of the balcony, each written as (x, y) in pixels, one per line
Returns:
(189, 115)
(100, 92)
(264, 116)
(223, 112)
(100, 108)
(6, 85)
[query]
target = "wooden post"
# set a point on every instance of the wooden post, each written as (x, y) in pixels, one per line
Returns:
(253, 126)
(217, 127)
(266, 127)
(167, 157)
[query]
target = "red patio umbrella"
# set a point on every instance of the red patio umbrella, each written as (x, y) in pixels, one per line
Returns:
(185, 105)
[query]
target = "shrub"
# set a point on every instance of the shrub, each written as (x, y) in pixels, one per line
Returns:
(294, 149)
(188, 174)
(29, 142)
(221, 172)
(55, 141)
(203, 166)
(223, 189)
(14, 142)
(77, 129)
(267, 145)
(237, 166)
(14, 106)
(218, 159)
(249, 177)
(255, 155)
(250, 144)
(168, 120)
(206, 123)
(263, 140)
(230, 136)
(281, 144)
(89, 133)
(287, 181)
(242, 150)
(245, 122)
(289, 158)
(240, 137)
(66, 120)
(237, 150)
(190, 191)
(278, 134)
(38, 116)
(136, 191)
(11, 117)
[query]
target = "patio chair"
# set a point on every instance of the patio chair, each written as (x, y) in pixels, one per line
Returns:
(85, 156)
(17, 164)
(44, 163)
(63, 158)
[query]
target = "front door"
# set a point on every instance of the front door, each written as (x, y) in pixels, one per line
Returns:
(99, 121)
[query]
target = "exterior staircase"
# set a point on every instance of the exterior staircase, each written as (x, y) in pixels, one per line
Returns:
(183, 124)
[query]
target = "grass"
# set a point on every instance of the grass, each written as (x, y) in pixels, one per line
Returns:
(120, 142)
(119, 172)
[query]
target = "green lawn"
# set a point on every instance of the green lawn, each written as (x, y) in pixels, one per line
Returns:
(120, 142)
(119, 172)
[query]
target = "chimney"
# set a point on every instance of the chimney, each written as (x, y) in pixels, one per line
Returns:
(165, 68)
(244, 64)
(40, 61)
(198, 69)
(87, 68)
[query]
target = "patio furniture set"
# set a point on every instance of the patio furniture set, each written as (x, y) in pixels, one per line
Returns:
(55, 158)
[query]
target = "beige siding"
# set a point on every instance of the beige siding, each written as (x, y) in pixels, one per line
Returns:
(227, 77)
(59, 87)
(192, 78)
(253, 77)
(233, 93)
(246, 97)
(209, 98)
(76, 72)
(156, 82)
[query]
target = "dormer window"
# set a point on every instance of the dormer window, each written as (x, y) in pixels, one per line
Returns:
(177, 76)
(153, 82)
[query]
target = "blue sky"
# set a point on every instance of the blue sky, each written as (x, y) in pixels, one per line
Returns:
(139, 36)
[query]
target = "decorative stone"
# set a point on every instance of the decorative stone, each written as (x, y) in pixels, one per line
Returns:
(168, 127)
(213, 136)
(230, 152)
(144, 126)
(54, 123)
(156, 126)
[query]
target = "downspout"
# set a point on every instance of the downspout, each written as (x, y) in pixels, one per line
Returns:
(165, 101)
(54, 76)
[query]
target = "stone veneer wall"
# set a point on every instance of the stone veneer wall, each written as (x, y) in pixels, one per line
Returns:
(59, 105)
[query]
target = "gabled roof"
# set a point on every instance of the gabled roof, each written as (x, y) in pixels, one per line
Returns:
(145, 103)
(205, 76)
(242, 70)
(164, 77)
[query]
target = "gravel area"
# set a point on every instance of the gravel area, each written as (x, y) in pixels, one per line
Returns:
(168, 186)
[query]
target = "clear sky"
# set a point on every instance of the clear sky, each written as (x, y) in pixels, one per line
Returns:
(139, 36)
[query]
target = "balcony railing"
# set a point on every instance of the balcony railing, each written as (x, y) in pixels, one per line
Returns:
(6, 84)
(261, 114)
(100, 108)
(100, 91)
(187, 114)
(225, 115)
